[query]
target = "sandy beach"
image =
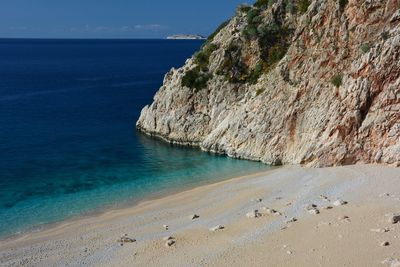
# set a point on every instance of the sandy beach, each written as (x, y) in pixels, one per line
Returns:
(289, 216)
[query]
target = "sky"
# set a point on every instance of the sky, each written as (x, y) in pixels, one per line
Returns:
(112, 18)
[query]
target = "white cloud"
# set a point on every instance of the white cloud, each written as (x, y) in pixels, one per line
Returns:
(126, 28)
(149, 27)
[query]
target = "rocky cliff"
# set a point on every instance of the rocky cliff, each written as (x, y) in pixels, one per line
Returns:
(290, 82)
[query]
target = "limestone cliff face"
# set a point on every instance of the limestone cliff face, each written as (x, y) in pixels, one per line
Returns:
(295, 82)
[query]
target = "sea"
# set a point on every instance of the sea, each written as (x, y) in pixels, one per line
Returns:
(68, 143)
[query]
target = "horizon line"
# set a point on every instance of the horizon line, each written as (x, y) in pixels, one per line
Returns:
(78, 38)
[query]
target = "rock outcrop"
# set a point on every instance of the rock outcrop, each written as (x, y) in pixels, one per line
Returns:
(290, 82)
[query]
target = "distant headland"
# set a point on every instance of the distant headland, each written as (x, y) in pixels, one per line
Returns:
(186, 37)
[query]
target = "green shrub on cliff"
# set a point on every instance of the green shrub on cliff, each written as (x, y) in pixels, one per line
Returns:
(255, 73)
(235, 70)
(365, 48)
(202, 57)
(261, 3)
(196, 79)
(289, 6)
(272, 38)
(232, 66)
(273, 43)
(337, 80)
(343, 4)
(259, 91)
(254, 20)
(303, 6)
(385, 35)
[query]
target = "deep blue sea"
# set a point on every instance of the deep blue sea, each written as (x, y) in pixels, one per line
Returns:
(68, 144)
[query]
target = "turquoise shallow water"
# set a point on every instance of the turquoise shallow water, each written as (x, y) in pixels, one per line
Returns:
(68, 144)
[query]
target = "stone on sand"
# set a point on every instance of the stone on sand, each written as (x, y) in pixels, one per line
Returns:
(377, 230)
(216, 228)
(339, 202)
(293, 219)
(165, 227)
(269, 210)
(324, 198)
(385, 244)
(126, 239)
(194, 216)
(394, 218)
(310, 206)
(312, 209)
(169, 243)
(253, 214)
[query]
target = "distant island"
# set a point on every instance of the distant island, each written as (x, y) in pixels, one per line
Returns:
(186, 37)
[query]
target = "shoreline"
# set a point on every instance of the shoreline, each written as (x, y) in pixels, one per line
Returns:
(327, 238)
(126, 205)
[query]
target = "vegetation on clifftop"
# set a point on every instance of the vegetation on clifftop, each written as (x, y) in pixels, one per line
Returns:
(273, 42)
(272, 37)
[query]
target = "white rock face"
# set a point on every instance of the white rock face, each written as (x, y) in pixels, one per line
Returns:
(294, 114)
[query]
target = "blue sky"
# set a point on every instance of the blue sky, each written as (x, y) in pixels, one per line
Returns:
(112, 18)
